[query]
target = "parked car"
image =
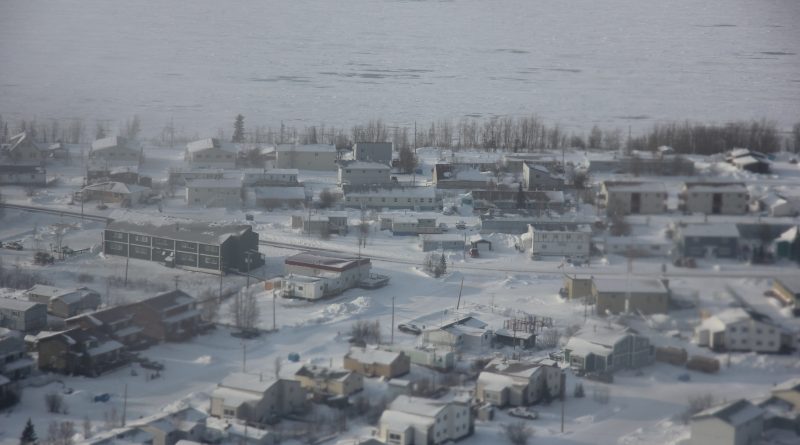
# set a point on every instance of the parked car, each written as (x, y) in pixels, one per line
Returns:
(101, 206)
(461, 225)
(13, 245)
(409, 328)
(447, 211)
(523, 413)
(443, 227)
(246, 333)
(151, 364)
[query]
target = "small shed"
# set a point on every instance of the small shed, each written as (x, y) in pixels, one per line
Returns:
(524, 340)
(480, 243)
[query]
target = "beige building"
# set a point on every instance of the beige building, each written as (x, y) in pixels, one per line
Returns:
(516, 383)
(329, 382)
(577, 287)
(319, 157)
(210, 153)
(214, 193)
(416, 198)
(254, 398)
(362, 173)
(789, 391)
(733, 423)
(64, 303)
(620, 295)
(714, 198)
(377, 363)
(574, 244)
(633, 198)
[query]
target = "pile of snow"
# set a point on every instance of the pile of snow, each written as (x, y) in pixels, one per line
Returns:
(338, 311)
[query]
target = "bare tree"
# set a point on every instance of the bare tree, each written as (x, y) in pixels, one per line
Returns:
(87, 427)
(55, 403)
(60, 433)
(326, 198)
(518, 433)
(697, 403)
(244, 310)
(209, 305)
(365, 332)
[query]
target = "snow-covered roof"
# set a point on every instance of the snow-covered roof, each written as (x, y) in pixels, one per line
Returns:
(496, 382)
(747, 160)
(398, 420)
(253, 383)
(325, 261)
(110, 143)
(716, 187)
(68, 296)
(116, 187)
(633, 285)
(513, 368)
(104, 348)
(312, 148)
(647, 187)
(442, 237)
(788, 385)
(16, 305)
(392, 192)
(195, 231)
(417, 405)
(208, 143)
(369, 355)
(716, 230)
(363, 165)
(226, 183)
(734, 413)
(295, 193)
(790, 235)
(234, 397)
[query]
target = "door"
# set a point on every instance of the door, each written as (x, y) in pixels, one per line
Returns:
(636, 203)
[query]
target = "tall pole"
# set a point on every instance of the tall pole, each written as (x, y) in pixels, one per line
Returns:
(127, 261)
(274, 322)
(244, 356)
(563, 397)
(392, 341)
(124, 404)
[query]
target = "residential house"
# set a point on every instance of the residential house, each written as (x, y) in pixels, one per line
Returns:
(214, 193)
(464, 333)
(380, 152)
(514, 162)
(787, 246)
(255, 398)
(738, 329)
(600, 348)
(777, 204)
(329, 382)
(117, 322)
(116, 149)
(426, 355)
(420, 421)
(442, 241)
(633, 198)
(377, 363)
(22, 148)
(577, 287)
(514, 339)
(574, 244)
(332, 273)
(127, 195)
(749, 160)
(460, 176)
(277, 197)
(535, 201)
(188, 244)
(413, 198)
(170, 316)
(639, 295)
(64, 303)
(14, 361)
(210, 153)
(188, 424)
(479, 243)
(23, 175)
(178, 177)
(79, 351)
(540, 177)
(518, 383)
(319, 157)
(362, 173)
(518, 224)
(408, 225)
(21, 315)
(718, 240)
(714, 198)
(788, 391)
(733, 423)
(320, 224)
(99, 172)
(270, 177)
(227, 431)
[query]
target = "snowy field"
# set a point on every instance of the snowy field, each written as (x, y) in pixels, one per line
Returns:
(615, 63)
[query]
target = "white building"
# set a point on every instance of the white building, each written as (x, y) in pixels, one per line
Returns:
(465, 333)
(256, 398)
(512, 382)
(540, 177)
(735, 423)
(115, 149)
(271, 177)
(633, 198)
(214, 193)
(776, 204)
(416, 198)
(442, 241)
(314, 275)
(408, 225)
(421, 421)
(361, 173)
(210, 153)
(737, 329)
(714, 198)
(320, 157)
(272, 197)
(572, 244)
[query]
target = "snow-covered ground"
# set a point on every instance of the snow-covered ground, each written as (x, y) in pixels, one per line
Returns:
(616, 63)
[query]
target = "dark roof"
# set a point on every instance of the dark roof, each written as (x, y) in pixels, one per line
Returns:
(168, 300)
(202, 232)
(107, 316)
(21, 169)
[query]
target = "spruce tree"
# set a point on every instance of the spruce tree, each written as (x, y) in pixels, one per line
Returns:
(28, 434)
(238, 129)
(442, 265)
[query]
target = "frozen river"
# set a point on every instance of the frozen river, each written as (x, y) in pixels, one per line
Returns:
(576, 62)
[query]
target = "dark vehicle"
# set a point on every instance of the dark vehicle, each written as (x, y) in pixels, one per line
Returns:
(461, 225)
(409, 328)
(246, 333)
(13, 245)
(248, 217)
(684, 377)
(151, 364)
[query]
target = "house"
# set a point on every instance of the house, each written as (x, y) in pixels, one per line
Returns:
(400, 197)
(329, 382)
(718, 240)
(210, 153)
(98, 172)
(115, 149)
(270, 177)
(377, 363)
(479, 243)
(319, 157)
(536, 201)
(633, 198)
(21, 315)
(749, 160)
(733, 423)
(420, 421)
(330, 222)
(117, 322)
(787, 246)
(788, 391)
(620, 295)
(442, 241)
(738, 329)
(214, 193)
(518, 383)
(577, 287)
(227, 431)
(601, 348)
(518, 224)
(540, 177)
(255, 398)
(460, 176)
(514, 339)
(514, 161)
(57, 150)
(642, 166)
(188, 244)
(22, 148)
(787, 290)
(573, 244)
(178, 177)
(463, 333)
(426, 355)
(777, 204)
(127, 195)
(174, 428)
(170, 316)
(23, 175)
(408, 225)
(277, 197)
(714, 198)
(636, 246)
(14, 361)
(323, 273)
(380, 152)
(64, 303)
(79, 351)
(363, 173)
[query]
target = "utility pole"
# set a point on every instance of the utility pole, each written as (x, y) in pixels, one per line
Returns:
(392, 340)
(177, 280)
(274, 322)
(244, 356)
(124, 404)
(563, 397)
(127, 261)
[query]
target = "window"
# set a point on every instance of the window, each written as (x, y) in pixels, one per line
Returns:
(228, 412)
